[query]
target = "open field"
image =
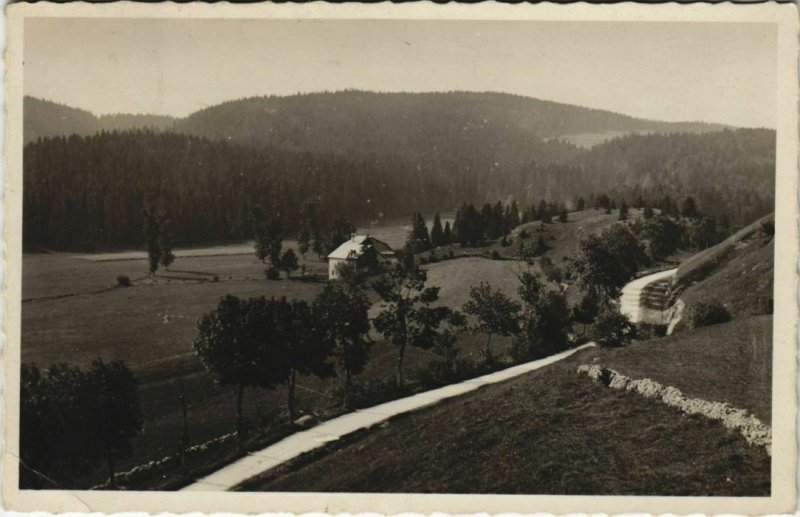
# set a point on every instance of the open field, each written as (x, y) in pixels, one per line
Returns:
(548, 432)
(589, 140)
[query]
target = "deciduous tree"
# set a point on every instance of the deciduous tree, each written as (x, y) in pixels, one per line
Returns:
(495, 313)
(609, 260)
(289, 262)
(341, 313)
(407, 317)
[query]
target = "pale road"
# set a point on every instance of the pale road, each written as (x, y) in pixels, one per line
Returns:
(304, 441)
(630, 300)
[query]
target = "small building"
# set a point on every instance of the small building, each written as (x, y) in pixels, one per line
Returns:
(353, 248)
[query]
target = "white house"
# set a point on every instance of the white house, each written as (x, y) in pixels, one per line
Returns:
(353, 248)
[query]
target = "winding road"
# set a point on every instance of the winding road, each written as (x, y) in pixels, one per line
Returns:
(631, 301)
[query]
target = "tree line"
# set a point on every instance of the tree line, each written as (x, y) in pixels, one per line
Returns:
(89, 191)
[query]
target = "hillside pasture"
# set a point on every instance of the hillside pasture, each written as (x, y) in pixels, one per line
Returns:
(739, 272)
(548, 432)
(563, 239)
(589, 140)
(730, 362)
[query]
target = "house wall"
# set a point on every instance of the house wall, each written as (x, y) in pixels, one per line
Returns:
(333, 274)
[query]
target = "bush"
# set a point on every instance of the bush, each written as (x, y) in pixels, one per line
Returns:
(768, 228)
(272, 273)
(376, 391)
(441, 372)
(646, 331)
(612, 329)
(123, 281)
(709, 312)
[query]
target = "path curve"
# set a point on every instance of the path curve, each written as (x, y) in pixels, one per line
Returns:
(304, 441)
(630, 302)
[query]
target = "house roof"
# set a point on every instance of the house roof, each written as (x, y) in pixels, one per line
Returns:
(352, 247)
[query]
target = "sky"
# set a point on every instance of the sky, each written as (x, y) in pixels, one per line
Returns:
(711, 72)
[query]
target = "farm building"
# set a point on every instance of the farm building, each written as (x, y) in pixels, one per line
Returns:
(353, 249)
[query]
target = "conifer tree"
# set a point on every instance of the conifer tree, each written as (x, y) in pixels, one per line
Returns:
(437, 233)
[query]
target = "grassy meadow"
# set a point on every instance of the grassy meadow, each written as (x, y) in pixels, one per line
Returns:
(551, 431)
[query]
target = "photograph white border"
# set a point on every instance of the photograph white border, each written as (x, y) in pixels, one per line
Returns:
(784, 450)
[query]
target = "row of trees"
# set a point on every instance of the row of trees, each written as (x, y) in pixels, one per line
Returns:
(73, 419)
(266, 343)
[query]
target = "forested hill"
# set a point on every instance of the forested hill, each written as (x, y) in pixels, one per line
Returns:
(727, 172)
(85, 191)
(475, 143)
(460, 137)
(43, 119)
(409, 124)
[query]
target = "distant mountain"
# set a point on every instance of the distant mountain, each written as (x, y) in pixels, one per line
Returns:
(43, 119)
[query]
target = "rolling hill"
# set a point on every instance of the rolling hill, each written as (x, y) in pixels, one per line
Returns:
(371, 122)
(365, 156)
(43, 119)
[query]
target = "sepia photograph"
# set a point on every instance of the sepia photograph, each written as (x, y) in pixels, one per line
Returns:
(315, 257)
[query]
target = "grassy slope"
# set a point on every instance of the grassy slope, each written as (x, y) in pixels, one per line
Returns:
(738, 271)
(455, 277)
(564, 238)
(549, 432)
(731, 362)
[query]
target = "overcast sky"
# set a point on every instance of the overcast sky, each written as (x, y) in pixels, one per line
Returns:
(681, 71)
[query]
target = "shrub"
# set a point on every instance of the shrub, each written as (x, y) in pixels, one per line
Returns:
(612, 329)
(709, 312)
(523, 234)
(123, 281)
(375, 391)
(272, 273)
(768, 228)
(495, 255)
